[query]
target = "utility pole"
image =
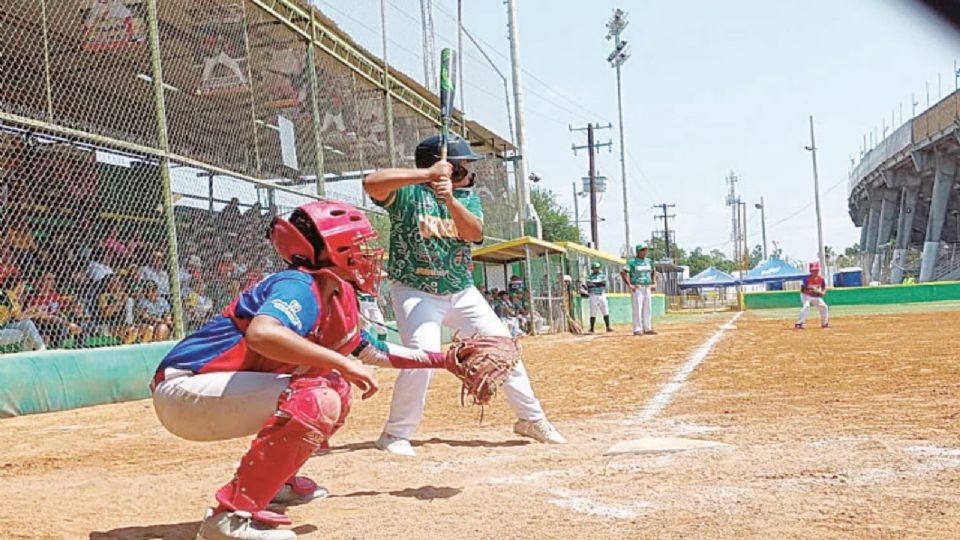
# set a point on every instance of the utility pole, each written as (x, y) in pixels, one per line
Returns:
(576, 208)
(460, 70)
(429, 46)
(617, 58)
(666, 224)
(523, 188)
(733, 201)
(763, 225)
(591, 147)
(746, 241)
(816, 195)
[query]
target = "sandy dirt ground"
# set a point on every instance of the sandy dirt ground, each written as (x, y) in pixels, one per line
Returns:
(850, 432)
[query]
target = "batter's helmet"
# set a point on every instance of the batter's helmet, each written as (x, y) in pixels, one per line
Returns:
(324, 234)
(428, 151)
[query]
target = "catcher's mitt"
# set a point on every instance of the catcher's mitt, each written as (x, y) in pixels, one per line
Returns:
(482, 363)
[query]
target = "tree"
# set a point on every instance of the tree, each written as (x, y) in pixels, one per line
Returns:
(554, 217)
(756, 255)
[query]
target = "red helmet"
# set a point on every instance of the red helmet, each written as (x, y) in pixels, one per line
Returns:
(322, 234)
(815, 266)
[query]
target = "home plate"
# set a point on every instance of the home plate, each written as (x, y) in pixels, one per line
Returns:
(656, 445)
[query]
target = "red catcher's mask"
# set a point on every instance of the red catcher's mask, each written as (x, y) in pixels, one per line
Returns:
(347, 243)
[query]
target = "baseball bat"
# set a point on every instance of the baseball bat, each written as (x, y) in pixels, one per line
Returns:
(447, 91)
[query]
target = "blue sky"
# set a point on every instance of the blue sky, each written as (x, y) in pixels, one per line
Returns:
(711, 87)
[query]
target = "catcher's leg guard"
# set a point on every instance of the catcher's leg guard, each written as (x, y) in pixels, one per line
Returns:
(309, 412)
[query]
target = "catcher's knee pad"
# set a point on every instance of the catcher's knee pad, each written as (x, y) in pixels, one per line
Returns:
(308, 413)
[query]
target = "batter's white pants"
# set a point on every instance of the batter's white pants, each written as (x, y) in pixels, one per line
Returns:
(372, 317)
(218, 406)
(598, 305)
(640, 302)
(821, 307)
(420, 316)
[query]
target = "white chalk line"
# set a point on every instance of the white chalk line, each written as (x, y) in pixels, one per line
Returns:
(665, 395)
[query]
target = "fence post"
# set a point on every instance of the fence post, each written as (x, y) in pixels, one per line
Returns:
(387, 99)
(46, 61)
(315, 104)
(173, 260)
(253, 101)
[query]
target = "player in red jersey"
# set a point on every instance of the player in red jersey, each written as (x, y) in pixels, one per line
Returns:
(811, 292)
(274, 364)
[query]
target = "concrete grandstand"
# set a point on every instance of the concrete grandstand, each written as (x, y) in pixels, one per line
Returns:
(904, 195)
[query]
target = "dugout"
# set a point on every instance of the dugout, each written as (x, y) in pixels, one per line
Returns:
(539, 264)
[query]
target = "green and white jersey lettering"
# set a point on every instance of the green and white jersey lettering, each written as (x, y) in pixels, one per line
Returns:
(426, 251)
(597, 283)
(640, 271)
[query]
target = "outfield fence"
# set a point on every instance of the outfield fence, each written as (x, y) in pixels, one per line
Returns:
(145, 145)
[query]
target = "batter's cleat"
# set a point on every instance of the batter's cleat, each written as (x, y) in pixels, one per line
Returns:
(299, 490)
(238, 525)
(395, 445)
(609, 329)
(540, 431)
(651, 332)
(636, 333)
(798, 326)
(827, 325)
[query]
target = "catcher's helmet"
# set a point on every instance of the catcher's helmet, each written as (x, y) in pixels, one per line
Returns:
(325, 234)
(428, 151)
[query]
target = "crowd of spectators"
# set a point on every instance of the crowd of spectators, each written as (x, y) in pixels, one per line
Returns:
(114, 285)
(512, 305)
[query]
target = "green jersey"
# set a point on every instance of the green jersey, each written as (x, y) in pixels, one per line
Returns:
(597, 283)
(640, 271)
(426, 251)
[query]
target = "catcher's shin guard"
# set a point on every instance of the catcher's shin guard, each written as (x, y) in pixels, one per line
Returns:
(309, 412)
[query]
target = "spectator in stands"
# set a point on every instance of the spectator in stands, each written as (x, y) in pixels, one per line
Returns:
(255, 274)
(111, 242)
(20, 241)
(191, 272)
(226, 292)
(156, 273)
(100, 265)
(9, 270)
(15, 327)
(198, 307)
(153, 314)
(45, 309)
(115, 310)
(516, 284)
(80, 304)
(136, 247)
(227, 267)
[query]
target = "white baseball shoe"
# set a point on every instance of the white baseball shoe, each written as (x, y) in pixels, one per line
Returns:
(238, 525)
(395, 445)
(541, 431)
(301, 490)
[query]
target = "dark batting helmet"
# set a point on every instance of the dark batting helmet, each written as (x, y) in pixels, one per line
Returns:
(458, 150)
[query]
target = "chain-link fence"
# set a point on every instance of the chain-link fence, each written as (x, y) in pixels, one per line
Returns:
(145, 145)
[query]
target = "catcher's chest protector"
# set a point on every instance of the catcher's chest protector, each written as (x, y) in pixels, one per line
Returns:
(337, 327)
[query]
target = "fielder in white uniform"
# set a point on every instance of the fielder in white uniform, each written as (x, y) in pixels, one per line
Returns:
(640, 277)
(597, 289)
(434, 218)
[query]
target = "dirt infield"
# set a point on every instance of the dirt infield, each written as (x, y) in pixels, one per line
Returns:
(850, 432)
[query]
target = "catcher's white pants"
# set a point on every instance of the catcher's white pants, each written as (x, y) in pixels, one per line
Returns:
(821, 307)
(640, 302)
(219, 405)
(372, 317)
(599, 305)
(419, 318)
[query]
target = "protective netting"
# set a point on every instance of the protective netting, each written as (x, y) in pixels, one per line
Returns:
(104, 223)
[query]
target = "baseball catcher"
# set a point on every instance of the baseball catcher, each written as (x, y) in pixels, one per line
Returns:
(812, 292)
(274, 364)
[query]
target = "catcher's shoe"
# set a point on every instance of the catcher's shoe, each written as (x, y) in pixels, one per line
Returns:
(395, 445)
(541, 431)
(798, 326)
(299, 490)
(238, 525)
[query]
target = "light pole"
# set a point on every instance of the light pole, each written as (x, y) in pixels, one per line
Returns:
(620, 54)
(816, 196)
(763, 225)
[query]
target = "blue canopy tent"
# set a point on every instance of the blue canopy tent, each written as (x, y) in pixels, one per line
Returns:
(710, 278)
(774, 272)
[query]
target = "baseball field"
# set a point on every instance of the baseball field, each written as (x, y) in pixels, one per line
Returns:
(850, 432)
